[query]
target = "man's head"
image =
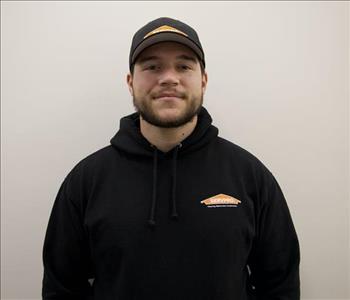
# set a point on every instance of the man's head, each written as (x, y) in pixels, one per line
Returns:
(167, 76)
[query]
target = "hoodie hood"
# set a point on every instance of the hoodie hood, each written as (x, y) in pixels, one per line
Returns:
(129, 139)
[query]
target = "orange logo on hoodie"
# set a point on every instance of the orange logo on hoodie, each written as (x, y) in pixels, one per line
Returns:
(220, 200)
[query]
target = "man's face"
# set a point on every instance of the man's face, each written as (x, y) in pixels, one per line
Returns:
(167, 85)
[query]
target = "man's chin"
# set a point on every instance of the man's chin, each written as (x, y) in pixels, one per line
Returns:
(169, 115)
(168, 120)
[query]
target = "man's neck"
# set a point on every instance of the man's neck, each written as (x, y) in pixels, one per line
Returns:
(166, 138)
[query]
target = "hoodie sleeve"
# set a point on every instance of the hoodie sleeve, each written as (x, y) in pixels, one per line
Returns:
(275, 257)
(67, 266)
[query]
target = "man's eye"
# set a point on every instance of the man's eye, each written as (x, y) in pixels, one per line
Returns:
(151, 67)
(185, 67)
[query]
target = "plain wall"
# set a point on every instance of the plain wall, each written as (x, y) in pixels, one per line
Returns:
(278, 87)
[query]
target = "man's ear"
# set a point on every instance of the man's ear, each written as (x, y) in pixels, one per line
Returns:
(204, 81)
(129, 82)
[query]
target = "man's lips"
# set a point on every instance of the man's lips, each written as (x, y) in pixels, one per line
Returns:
(167, 96)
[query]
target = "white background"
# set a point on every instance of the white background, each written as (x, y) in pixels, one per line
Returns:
(278, 87)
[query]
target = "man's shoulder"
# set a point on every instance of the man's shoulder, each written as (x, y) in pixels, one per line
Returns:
(94, 161)
(239, 156)
(99, 156)
(237, 151)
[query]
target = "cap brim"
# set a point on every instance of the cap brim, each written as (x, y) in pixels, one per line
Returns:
(166, 37)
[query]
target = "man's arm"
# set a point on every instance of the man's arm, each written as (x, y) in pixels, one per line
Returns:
(66, 255)
(275, 257)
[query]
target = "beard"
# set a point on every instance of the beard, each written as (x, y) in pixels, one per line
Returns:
(144, 108)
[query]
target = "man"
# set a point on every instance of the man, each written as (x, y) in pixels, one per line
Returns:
(170, 210)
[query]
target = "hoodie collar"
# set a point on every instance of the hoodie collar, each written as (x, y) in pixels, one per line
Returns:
(130, 139)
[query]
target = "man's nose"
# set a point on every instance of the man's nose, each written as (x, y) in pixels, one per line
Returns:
(169, 77)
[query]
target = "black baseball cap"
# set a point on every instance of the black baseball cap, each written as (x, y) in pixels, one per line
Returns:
(165, 30)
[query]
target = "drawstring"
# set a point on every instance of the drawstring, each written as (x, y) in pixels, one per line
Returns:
(151, 221)
(174, 215)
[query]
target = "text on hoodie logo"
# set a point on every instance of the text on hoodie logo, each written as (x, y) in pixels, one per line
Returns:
(221, 200)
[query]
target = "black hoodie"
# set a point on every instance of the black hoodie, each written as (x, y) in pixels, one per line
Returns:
(204, 221)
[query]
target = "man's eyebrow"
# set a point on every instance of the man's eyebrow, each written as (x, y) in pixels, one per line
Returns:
(146, 58)
(186, 57)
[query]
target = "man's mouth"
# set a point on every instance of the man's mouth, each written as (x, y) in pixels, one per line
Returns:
(168, 96)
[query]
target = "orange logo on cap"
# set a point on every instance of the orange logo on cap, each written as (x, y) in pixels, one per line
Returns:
(164, 28)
